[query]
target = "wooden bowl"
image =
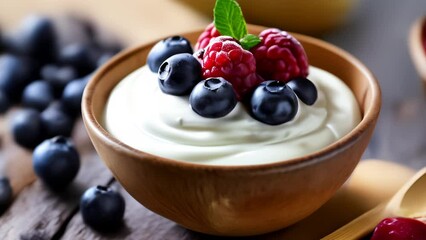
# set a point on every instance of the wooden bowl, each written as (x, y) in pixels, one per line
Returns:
(234, 200)
(417, 48)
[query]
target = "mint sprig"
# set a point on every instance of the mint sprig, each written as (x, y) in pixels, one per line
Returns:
(229, 21)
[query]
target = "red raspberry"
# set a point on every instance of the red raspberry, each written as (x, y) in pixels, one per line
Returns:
(224, 57)
(205, 37)
(279, 56)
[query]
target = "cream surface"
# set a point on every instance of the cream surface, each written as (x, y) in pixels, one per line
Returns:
(140, 115)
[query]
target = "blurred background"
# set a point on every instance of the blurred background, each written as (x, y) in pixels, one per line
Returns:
(374, 31)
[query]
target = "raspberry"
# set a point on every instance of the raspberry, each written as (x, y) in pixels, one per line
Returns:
(224, 57)
(279, 56)
(205, 37)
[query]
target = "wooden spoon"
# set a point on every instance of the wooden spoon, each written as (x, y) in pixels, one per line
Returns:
(417, 48)
(409, 201)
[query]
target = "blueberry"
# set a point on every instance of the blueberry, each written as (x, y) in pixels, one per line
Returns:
(80, 56)
(36, 38)
(73, 93)
(5, 103)
(102, 208)
(15, 74)
(304, 89)
(273, 103)
(26, 128)
(6, 194)
(58, 77)
(213, 98)
(37, 95)
(179, 74)
(55, 121)
(56, 162)
(165, 49)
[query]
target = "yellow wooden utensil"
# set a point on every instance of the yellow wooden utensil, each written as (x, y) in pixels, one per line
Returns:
(409, 201)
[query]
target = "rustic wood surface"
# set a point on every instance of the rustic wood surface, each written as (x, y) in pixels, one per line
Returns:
(376, 34)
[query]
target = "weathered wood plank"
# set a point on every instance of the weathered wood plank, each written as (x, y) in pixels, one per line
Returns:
(38, 213)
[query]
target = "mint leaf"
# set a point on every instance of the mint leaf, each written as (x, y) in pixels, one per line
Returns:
(249, 41)
(228, 19)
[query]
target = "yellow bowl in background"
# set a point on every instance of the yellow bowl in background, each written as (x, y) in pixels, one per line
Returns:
(304, 16)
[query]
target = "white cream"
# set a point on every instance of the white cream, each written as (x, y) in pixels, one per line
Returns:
(141, 116)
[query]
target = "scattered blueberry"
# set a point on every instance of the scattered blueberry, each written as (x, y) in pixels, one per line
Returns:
(56, 162)
(55, 121)
(80, 56)
(273, 103)
(37, 95)
(26, 128)
(58, 77)
(165, 49)
(179, 74)
(304, 89)
(15, 74)
(102, 208)
(213, 98)
(36, 38)
(5, 103)
(6, 194)
(73, 93)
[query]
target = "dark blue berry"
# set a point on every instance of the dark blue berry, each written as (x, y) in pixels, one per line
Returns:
(165, 49)
(4, 102)
(35, 38)
(179, 74)
(6, 194)
(102, 208)
(273, 103)
(56, 162)
(213, 98)
(37, 95)
(55, 121)
(15, 74)
(304, 89)
(73, 93)
(80, 56)
(58, 77)
(26, 128)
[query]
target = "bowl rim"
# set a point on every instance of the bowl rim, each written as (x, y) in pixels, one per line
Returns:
(370, 116)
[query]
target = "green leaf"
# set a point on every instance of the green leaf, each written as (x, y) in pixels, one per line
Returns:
(229, 19)
(249, 41)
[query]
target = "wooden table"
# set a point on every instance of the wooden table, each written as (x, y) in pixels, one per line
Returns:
(377, 35)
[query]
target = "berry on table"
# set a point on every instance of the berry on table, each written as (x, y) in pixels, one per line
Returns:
(273, 103)
(165, 49)
(204, 39)
(213, 98)
(35, 38)
(6, 194)
(399, 228)
(37, 95)
(26, 128)
(56, 162)
(225, 58)
(72, 95)
(58, 76)
(305, 90)
(179, 74)
(4, 102)
(80, 56)
(102, 208)
(280, 56)
(55, 121)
